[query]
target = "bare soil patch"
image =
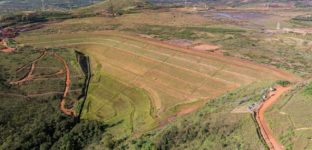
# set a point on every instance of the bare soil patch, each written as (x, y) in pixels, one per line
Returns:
(205, 47)
(181, 42)
(6, 48)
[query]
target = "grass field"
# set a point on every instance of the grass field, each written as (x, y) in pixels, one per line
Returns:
(135, 78)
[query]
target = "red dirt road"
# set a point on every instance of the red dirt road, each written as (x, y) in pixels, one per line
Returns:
(66, 111)
(28, 77)
(265, 130)
(67, 80)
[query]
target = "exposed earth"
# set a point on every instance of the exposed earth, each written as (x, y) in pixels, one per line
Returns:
(137, 74)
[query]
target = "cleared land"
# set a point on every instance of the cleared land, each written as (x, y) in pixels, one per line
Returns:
(168, 79)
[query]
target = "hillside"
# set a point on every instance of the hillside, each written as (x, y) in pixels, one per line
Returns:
(215, 126)
(12, 6)
(115, 7)
(144, 82)
(33, 110)
(236, 3)
(124, 74)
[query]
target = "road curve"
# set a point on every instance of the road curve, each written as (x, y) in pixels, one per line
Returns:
(264, 127)
(69, 112)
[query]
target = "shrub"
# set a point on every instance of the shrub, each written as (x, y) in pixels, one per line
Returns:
(283, 83)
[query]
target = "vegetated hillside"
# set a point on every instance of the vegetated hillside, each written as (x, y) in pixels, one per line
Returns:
(30, 5)
(299, 3)
(31, 88)
(32, 20)
(37, 16)
(215, 126)
(115, 7)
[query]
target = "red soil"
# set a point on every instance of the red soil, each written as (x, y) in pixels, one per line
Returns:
(7, 49)
(28, 77)
(188, 110)
(205, 47)
(264, 127)
(69, 112)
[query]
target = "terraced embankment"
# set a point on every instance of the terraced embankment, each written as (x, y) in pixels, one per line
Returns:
(177, 80)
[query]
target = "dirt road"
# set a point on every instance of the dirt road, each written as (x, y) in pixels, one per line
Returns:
(70, 112)
(33, 61)
(264, 127)
(28, 77)
(67, 80)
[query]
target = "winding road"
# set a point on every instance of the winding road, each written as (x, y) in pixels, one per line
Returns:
(267, 134)
(70, 112)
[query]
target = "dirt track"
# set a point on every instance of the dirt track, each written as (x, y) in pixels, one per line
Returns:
(34, 61)
(27, 77)
(66, 111)
(30, 75)
(263, 124)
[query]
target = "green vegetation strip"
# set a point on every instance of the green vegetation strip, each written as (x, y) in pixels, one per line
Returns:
(169, 32)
